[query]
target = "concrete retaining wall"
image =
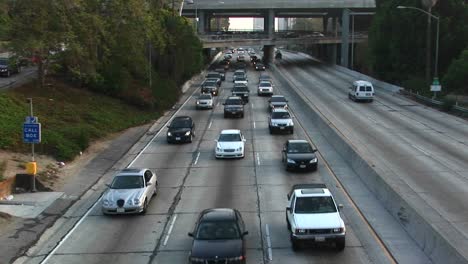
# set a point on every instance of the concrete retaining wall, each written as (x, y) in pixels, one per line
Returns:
(417, 218)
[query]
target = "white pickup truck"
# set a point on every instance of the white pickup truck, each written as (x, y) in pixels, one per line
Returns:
(313, 216)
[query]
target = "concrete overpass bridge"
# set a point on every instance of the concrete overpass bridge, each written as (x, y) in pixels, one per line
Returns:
(335, 15)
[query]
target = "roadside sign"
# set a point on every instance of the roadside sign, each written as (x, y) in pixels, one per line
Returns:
(436, 88)
(32, 133)
(31, 119)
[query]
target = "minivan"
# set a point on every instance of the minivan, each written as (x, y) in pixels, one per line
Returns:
(361, 91)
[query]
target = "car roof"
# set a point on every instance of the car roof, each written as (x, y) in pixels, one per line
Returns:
(218, 214)
(361, 82)
(230, 131)
(234, 97)
(280, 110)
(266, 82)
(310, 190)
(131, 172)
(277, 96)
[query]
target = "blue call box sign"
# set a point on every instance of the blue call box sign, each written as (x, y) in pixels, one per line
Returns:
(32, 133)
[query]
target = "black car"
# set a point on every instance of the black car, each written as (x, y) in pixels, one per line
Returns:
(277, 101)
(181, 129)
(242, 91)
(259, 66)
(234, 106)
(221, 72)
(299, 154)
(218, 237)
(210, 87)
(215, 75)
(9, 66)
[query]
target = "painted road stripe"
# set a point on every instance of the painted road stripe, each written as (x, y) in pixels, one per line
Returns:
(254, 124)
(211, 122)
(258, 159)
(270, 251)
(420, 149)
(170, 230)
(196, 159)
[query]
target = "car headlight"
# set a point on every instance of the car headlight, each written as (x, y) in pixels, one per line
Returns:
(169, 133)
(187, 133)
(301, 231)
(106, 202)
(136, 201)
(290, 123)
(198, 102)
(339, 230)
(291, 161)
(240, 258)
(193, 259)
(239, 149)
(314, 160)
(218, 149)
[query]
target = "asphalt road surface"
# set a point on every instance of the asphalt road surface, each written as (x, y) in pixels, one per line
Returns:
(191, 180)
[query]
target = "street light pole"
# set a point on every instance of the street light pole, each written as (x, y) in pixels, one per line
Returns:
(436, 73)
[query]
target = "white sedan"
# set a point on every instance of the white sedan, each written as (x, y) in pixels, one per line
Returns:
(230, 144)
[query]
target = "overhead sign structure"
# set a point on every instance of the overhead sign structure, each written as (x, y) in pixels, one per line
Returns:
(32, 130)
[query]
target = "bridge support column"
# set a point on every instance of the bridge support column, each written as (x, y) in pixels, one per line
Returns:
(270, 23)
(345, 38)
(201, 22)
(334, 51)
(268, 54)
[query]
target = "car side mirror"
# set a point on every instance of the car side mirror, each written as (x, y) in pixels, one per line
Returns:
(288, 208)
(190, 234)
(224, 103)
(168, 126)
(148, 184)
(108, 185)
(289, 196)
(245, 233)
(315, 150)
(244, 139)
(215, 140)
(340, 207)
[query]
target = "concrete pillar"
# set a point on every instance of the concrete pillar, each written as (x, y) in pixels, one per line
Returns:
(270, 23)
(268, 54)
(201, 22)
(334, 31)
(345, 38)
(334, 48)
(325, 24)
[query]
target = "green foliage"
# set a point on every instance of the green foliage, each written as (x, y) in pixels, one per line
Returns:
(447, 104)
(456, 79)
(416, 84)
(5, 22)
(70, 118)
(397, 38)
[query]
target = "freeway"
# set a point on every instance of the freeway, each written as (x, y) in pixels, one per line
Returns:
(422, 152)
(191, 179)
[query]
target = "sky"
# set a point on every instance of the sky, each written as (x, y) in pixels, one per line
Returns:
(238, 23)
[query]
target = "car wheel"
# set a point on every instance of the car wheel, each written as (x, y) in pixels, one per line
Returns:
(288, 224)
(292, 131)
(340, 244)
(271, 130)
(145, 207)
(190, 138)
(155, 192)
(225, 115)
(8, 73)
(242, 115)
(294, 244)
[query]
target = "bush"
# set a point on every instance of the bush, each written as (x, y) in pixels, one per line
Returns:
(447, 104)
(417, 84)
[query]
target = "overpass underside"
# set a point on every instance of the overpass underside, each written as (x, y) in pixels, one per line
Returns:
(337, 22)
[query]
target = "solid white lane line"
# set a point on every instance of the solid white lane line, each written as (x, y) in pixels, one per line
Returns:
(420, 149)
(71, 232)
(211, 122)
(270, 250)
(258, 158)
(254, 124)
(59, 244)
(217, 104)
(196, 159)
(252, 105)
(170, 230)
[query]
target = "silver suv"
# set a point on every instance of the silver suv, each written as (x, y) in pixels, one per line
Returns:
(280, 120)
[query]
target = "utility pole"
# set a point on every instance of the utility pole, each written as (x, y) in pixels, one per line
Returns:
(428, 47)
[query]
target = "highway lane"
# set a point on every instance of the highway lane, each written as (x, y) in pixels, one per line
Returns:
(191, 180)
(424, 148)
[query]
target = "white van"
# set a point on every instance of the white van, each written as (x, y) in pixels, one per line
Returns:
(361, 91)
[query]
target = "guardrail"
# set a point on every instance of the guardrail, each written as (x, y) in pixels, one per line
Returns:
(433, 102)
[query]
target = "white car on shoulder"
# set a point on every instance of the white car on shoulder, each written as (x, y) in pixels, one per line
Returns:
(230, 144)
(130, 192)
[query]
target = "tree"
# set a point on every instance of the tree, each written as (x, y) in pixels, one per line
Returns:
(456, 79)
(4, 20)
(41, 29)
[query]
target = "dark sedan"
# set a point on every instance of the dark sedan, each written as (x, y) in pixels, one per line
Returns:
(218, 237)
(299, 154)
(181, 129)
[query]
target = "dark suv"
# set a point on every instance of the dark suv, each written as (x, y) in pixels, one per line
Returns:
(181, 129)
(218, 237)
(210, 87)
(242, 91)
(234, 106)
(8, 66)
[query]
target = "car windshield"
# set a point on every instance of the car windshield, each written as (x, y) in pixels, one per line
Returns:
(278, 99)
(314, 205)
(127, 182)
(241, 88)
(300, 148)
(213, 75)
(265, 84)
(280, 115)
(204, 97)
(181, 123)
(206, 84)
(233, 102)
(218, 230)
(229, 137)
(240, 78)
